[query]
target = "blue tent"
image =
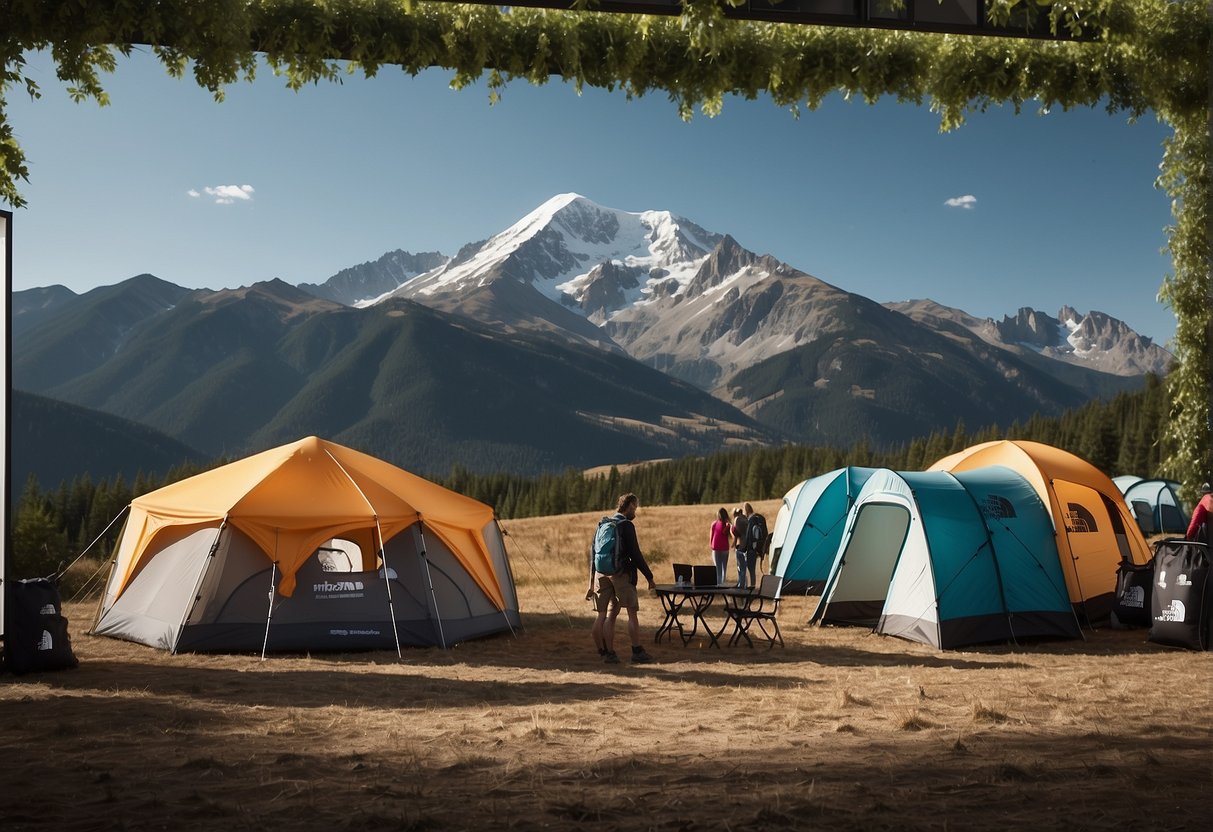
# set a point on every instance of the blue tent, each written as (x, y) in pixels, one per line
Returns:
(949, 559)
(1156, 506)
(815, 513)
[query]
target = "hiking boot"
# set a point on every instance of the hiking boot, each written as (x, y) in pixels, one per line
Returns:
(641, 656)
(610, 658)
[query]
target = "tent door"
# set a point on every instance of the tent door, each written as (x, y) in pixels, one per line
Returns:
(865, 570)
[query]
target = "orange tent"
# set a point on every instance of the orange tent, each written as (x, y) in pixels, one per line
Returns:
(1093, 526)
(285, 503)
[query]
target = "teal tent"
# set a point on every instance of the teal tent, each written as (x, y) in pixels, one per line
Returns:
(949, 559)
(812, 520)
(1156, 506)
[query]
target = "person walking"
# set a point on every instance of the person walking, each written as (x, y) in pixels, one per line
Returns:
(739, 544)
(615, 590)
(756, 540)
(718, 540)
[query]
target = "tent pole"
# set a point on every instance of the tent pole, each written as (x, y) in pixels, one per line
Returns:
(269, 613)
(509, 571)
(210, 559)
(429, 578)
(391, 608)
(1002, 592)
(1082, 596)
(101, 608)
(382, 550)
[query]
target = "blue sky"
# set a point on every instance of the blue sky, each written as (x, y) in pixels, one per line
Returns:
(1009, 211)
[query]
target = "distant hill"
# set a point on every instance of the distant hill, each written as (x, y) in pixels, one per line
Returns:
(64, 336)
(879, 374)
(238, 371)
(57, 442)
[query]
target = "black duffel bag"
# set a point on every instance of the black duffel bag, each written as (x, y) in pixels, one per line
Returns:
(1134, 592)
(35, 635)
(1181, 606)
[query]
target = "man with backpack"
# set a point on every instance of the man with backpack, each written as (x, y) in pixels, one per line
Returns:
(756, 541)
(615, 559)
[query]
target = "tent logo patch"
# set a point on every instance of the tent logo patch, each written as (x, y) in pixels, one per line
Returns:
(1135, 596)
(1174, 612)
(998, 507)
(1079, 519)
(338, 589)
(46, 642)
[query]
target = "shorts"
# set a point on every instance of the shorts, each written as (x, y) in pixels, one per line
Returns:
(615, 589)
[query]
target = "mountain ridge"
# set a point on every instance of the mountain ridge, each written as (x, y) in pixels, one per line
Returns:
(741, 348)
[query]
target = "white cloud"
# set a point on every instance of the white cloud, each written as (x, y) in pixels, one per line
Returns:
(967, 202)
(226, 194)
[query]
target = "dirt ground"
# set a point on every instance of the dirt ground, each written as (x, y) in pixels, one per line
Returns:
(839, 729)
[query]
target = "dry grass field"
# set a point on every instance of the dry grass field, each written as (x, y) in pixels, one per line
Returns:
(840, 729)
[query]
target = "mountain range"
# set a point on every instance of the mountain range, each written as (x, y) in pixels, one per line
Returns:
(580, 335)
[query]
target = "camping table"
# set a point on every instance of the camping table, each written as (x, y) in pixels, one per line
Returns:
(677, 598)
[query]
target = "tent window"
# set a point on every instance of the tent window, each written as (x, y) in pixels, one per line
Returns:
(339, 555)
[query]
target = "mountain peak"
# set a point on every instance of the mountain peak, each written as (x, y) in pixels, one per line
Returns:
(287, 299)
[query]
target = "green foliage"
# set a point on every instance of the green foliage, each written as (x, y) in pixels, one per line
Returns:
(1144, 55)
(40, 543)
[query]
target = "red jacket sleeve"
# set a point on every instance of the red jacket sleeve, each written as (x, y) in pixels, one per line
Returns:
(1200, 516)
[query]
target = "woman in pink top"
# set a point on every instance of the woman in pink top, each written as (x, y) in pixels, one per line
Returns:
(719, 541)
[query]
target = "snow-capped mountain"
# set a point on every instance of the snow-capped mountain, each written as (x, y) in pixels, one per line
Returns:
(699, 306)
(1094, 340)
(579, 254)
(354, 285)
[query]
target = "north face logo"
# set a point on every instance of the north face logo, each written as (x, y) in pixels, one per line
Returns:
(999, 507)
(1175, 612)
(1135, 596)
(1078, 519)
(338, 586)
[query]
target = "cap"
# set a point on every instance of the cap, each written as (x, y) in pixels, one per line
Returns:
(1204, 489)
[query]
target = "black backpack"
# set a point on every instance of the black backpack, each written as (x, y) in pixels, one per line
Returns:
(756, 537)
(36, 638)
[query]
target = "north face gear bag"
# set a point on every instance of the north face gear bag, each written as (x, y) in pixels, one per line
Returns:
(1181, 605)
(1134, 592)
(36, 636)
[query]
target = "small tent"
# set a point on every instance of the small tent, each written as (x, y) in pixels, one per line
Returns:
(1095, 532)
(309, 546)
(1157, 508)
(814, 516)
(1124, 481)
(949, 560)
